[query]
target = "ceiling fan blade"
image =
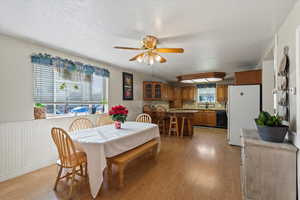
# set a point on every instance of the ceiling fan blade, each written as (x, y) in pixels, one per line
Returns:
(128, 48)
(135, 57)
(169, 50)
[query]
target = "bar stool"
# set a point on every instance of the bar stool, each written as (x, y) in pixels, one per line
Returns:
(173, 125)
(161, 119)
(187, 121)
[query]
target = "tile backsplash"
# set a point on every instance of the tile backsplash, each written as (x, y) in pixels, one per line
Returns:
(164, 104)
(195, 105)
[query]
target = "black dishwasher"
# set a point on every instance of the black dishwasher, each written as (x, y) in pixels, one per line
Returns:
(221, 119)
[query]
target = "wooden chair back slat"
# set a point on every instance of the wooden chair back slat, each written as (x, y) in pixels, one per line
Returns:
(65, 147)
(81, 123)
(144, 118)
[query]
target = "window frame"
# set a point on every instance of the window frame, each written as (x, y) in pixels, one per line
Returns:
(90, 104)
(205, 102)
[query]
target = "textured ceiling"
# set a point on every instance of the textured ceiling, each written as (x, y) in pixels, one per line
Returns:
(217, 35)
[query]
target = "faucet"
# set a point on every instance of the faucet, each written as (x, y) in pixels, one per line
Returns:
(206, 105)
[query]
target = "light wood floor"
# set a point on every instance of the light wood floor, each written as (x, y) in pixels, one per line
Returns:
(202, 168)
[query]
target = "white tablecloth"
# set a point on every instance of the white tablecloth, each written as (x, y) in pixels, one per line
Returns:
(106, 141)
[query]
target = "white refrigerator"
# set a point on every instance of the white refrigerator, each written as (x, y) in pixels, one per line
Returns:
(243, 107)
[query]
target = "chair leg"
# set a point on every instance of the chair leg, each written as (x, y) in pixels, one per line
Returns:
(164, 126)
(86, 169)
(109, 172)
(182, 127)
(190, 128)
(58, 177)
(170, 128)
(177, 129)
(121, 176)
(81, 170)
(72, 182)
(154, 152)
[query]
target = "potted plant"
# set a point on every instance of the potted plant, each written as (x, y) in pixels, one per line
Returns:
(270, 127)
(119, 115)
(39, 111)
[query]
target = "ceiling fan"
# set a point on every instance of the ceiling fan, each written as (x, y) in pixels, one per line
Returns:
(151, 51)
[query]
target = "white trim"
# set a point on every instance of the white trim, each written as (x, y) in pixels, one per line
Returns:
(296, 139)
(298, 83)
(275, 72)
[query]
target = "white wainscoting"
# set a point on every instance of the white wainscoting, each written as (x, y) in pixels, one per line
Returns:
(27, 146)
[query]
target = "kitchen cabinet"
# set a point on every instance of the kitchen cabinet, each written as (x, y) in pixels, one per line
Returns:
(167, 92)
(177, 99)
(157, 91)
(170, 92)
(188, 93)
(248, 77)
(205, 118)
(152, 90)
(148, 90)
(211, 118)
(222, 93)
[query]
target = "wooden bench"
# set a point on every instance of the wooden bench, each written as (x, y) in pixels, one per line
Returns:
(123, 159)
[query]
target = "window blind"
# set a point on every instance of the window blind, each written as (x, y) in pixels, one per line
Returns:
(51, 86)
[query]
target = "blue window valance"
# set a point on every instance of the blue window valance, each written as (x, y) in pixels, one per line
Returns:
(69, 65)
(206, 85)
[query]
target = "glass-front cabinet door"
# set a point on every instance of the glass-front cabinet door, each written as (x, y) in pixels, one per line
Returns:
(148, 91)
(157, 90)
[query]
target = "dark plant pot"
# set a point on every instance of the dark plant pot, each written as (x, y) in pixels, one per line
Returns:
(272, 134)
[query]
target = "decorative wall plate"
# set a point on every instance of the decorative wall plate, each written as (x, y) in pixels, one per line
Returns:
(282, 66)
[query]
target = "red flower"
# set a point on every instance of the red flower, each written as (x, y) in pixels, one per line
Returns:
(118, 110)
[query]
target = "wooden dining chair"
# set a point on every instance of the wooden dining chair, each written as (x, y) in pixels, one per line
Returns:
(144, 118)
(69, 158)
(104, 120)
(81, 123)
(147, 109)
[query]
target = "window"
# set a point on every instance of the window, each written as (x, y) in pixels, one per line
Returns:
(206, 93)
(65, 90)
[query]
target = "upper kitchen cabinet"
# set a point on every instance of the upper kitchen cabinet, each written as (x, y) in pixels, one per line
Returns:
(157, 91)
(176, 102)
(148, 90)
(248, 77)
(168, 92)
(188, 93)
(222, 93)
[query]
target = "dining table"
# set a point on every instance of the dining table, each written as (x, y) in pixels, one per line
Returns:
(106, 141)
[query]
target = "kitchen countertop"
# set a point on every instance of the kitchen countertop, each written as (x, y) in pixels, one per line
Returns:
(183, 111)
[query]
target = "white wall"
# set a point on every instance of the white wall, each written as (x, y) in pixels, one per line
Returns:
(286, 36)
(268, 85)
(25, 144)
(16, 80)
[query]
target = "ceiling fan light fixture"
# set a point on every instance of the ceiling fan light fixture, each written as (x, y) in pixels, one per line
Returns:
(214, 79)
(186, 81)
(157, 58)
(151, 60)
(151, 51)
(140, 59)
(204, 77)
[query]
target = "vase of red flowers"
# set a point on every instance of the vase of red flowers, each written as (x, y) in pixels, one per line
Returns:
(119, 115)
